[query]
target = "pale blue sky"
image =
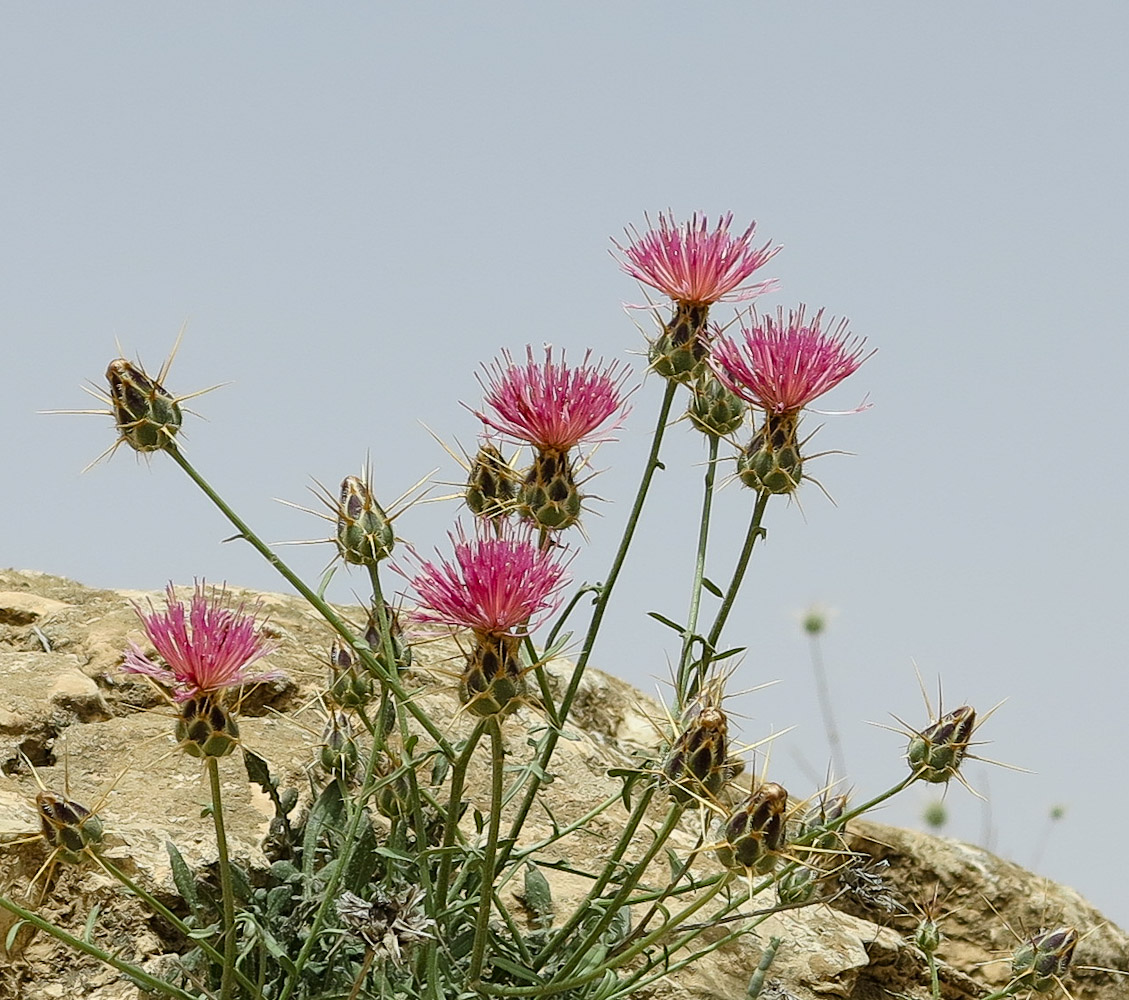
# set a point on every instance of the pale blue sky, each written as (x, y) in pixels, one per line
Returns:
(354, 205)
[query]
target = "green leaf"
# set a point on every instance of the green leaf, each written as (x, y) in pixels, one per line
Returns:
(183, 878)
(712, 587)
(680, 629)
(327, 813)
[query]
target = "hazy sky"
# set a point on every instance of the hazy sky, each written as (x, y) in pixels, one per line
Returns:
(353, 206)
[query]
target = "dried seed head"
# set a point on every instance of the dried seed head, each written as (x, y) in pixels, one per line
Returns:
(549, 498)
(364, 530)
(491, 487)
(755, 831)
(67, 826)
(205, 728)
(1042, 961)
(714, 409)
(936, 753)
(390, 924)
(771, 460)
(493, 683)
(147, 415)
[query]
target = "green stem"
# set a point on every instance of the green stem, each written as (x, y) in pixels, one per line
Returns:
(132, 971)
(227, 982)
(617, 852)
(490, 852)
(458, 779)
(163, 911)
(674, 814)
(754, 532)
(601, 605)
(934, 978)
(683, 679)
(332, 618)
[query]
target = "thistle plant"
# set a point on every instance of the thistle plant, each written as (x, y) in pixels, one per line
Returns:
(393, 874)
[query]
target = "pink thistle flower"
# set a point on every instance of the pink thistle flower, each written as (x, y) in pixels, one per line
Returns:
(783, 364)
(694, 265)
(497, 582)
(207, 645)
(551, 405)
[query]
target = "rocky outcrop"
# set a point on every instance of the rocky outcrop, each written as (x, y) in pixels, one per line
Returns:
(71, 722)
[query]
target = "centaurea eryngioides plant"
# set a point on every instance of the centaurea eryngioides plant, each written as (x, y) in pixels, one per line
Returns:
(426, 857)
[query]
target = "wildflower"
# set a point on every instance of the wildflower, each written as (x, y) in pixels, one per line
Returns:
(67, 826)
(208, 645)
(364, 531)
(695, 267)
(496, 583)
(554, 407)
(782, 365)
(698, 763)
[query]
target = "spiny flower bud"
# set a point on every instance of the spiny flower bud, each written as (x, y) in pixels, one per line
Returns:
(927, 936)
(147, 416)
(549, 497)
(349, 686)
(205, 728)
(1041, 963)
(755, 831)
(935, 755)
(393, 797)
(400, 650)
(364, 530)
(492, 484)
(339, 751)
(492, 682)
(698, 764)
(67, 826)
(680, 351)
(771, 461)
(714, 410)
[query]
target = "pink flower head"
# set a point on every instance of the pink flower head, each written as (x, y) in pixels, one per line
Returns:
(691, 264)
(496, 583)
(207, 645)
(550, 405)
(783, 364)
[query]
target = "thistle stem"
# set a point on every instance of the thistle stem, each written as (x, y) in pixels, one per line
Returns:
(754, 532)
(683, 690)
(227, 982)
(489, 857)
(135, 973)
(601, 605)
(823, 690)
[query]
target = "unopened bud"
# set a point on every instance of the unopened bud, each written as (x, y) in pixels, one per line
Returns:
(67, 826)
(349, 686)
(364, 531)
(339, 751)
(714, 409)
(698, 764)
(1041, 963)
(755, 831)
(401, 651)
(927, 936)
(771, 461)
(935, 755)
(492, 484)
(147, 416)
